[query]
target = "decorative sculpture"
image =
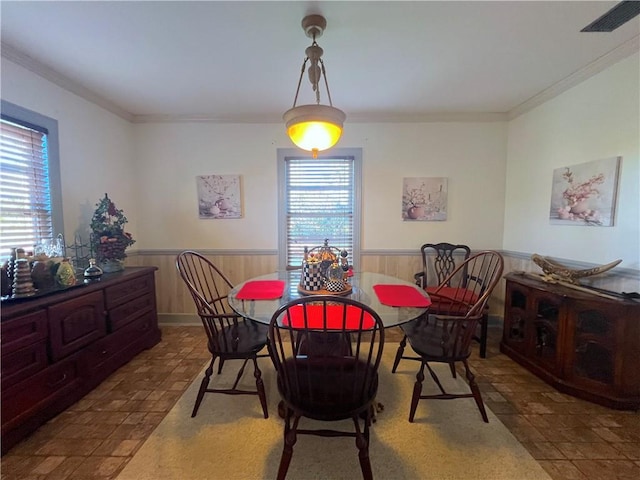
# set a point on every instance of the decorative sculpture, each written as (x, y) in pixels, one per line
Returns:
(554, 271)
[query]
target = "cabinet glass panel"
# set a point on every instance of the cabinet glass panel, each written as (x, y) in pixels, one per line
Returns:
(517, 316)
(518, 299)
(546, 329)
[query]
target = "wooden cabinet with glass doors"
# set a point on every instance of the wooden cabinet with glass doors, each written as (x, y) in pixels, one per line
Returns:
(582, 344)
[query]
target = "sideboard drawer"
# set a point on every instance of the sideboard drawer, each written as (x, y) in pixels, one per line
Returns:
(104, 356)
(125, 314)
(129, 290)
(22, 331)
(19, 364)
(39, 390)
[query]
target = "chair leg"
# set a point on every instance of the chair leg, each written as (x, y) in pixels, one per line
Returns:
(483, 334)
(260, 387)
(220, 365)
(417, 391)
(452, 367)
(362, 442)
(477, 396)
(203, 387)
(403, 343)
(290, 439)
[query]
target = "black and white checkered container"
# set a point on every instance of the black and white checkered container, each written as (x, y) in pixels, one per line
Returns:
(334, 286)
(312, 279)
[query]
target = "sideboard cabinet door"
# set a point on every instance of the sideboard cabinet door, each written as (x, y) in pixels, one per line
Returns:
(76, 323)
(544, 329)
(516, 317)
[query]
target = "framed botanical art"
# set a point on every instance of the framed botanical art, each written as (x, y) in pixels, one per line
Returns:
(585, 194)
(424, 199)
(219, 196)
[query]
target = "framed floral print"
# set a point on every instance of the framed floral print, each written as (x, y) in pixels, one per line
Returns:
(585, 194)
(219, 196)
(424, 199)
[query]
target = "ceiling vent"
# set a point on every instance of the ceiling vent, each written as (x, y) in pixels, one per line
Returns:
(617, 16)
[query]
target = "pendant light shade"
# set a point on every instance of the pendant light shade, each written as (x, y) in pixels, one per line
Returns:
(314, 127)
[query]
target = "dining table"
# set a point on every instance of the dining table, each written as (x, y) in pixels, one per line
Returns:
(395, 300)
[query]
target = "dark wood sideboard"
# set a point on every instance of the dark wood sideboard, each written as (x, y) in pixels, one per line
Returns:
(58, 347)
(583, 344)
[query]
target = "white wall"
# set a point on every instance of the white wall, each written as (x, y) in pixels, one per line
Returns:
(471, 155)
(596, 119)
(150, 170)
(96, 148)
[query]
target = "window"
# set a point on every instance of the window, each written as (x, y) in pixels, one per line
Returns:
(318, 199)
(30, 198)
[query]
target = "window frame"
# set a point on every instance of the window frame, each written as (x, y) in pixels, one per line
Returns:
(30, 119)
(283, 154)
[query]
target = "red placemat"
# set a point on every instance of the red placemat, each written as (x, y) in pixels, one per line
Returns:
(335, 313)
(261, 290)
(400, 296)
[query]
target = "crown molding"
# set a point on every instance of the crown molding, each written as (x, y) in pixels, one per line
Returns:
(356, 118)
(204, 118)
(20, 58)
(628, 48)
(428, 117)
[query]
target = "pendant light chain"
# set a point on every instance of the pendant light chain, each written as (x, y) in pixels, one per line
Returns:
(326, 84)
(295, 100)
(314, 127)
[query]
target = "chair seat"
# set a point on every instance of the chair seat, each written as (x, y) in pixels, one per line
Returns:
(249, 337)
(326, 386)
(429, 340)
(441, 304)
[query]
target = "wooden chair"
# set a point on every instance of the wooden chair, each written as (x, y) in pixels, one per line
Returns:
(438, 261)
(326, 351)
(230, 337)
(445, 336)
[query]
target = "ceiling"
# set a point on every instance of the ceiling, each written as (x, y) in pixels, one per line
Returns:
(240, 61)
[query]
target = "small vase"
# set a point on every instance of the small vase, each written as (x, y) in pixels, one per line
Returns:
(92, 272)
(579, 207)
(41, 275)
(112, 265)
(65, 275)
(415, 212)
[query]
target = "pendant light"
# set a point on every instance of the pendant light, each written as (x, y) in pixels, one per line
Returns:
(314, 127)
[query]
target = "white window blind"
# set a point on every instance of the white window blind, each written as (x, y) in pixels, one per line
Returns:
(25, 194)
(320, 202)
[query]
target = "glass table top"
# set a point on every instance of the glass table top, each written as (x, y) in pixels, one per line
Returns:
(362, 291)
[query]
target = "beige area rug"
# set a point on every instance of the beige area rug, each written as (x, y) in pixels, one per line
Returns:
(229, 439)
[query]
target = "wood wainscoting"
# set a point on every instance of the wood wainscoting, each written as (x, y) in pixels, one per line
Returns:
(172, 295)
(174, 300)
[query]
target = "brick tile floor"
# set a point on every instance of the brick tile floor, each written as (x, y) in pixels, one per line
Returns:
(97, 436)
